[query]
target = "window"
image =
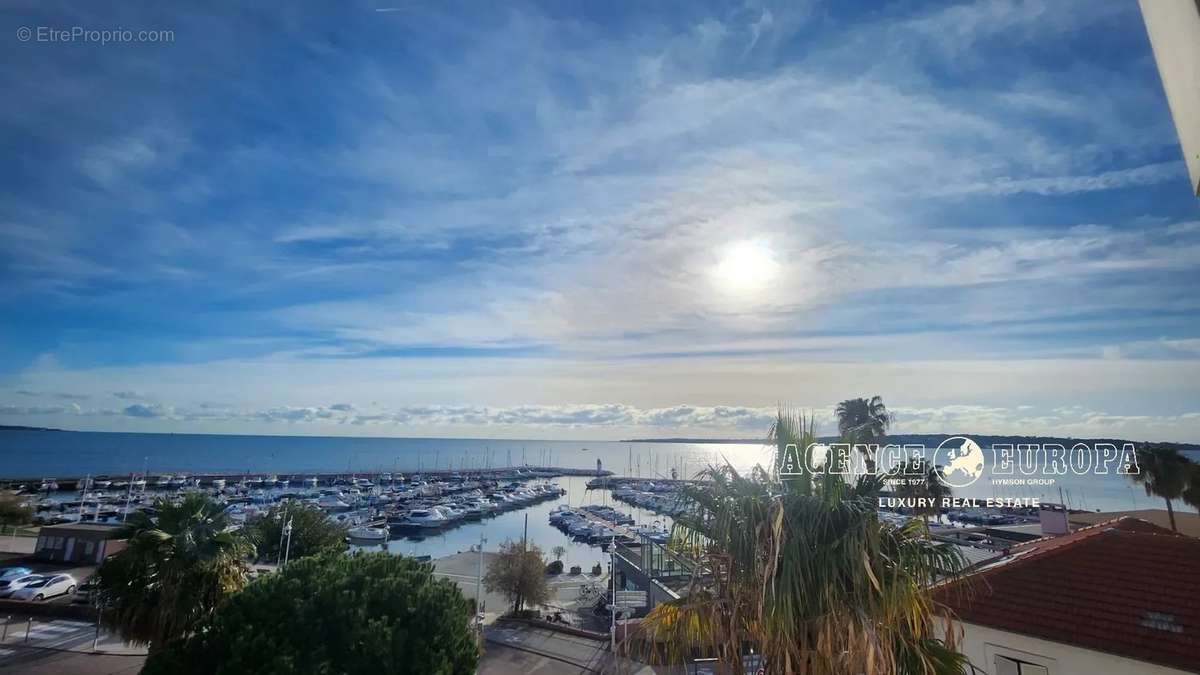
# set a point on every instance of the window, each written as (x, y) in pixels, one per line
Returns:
(1006, 665)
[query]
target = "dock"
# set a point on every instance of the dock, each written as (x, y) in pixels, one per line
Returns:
(324, 478)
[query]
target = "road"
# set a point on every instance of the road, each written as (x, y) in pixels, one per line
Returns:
(62, 646)
(517, 650)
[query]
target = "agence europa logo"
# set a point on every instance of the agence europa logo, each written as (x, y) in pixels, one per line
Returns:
(959, 461)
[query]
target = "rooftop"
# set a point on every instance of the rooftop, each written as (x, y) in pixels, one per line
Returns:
(64, 528)
(1124, 587)
(1188, 523)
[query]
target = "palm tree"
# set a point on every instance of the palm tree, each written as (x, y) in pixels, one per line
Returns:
(863, 421)
(174, 571)
(806, 574)
(1163, 471)
(916, 478)
(1191, 496)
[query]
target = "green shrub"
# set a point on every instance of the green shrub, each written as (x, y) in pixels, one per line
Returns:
(353, 615)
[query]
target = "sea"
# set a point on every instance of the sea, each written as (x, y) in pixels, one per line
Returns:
(53, 454)
(63, 454)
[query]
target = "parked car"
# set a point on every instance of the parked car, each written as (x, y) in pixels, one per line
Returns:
(10, 586)
(9, 573)
(47, 587)
(83, 594)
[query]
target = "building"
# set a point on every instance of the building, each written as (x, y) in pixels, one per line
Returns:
(83, 543)
(1174, 28)
(1187, 522)
(1117, 597)
(982, 545)
(650, 567)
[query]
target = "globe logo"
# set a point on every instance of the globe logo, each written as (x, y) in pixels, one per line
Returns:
(961, 460)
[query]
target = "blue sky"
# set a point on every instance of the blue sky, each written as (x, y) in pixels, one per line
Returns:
(578, 219)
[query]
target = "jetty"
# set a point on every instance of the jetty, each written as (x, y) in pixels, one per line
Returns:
(323, 478)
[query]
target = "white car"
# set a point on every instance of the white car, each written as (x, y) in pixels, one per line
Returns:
(47, 587)
(12, 585)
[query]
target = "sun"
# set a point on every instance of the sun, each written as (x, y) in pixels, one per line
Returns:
(746, 266)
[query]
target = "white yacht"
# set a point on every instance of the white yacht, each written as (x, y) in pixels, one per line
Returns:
(427, 518)
(332, 503)
(368, 533)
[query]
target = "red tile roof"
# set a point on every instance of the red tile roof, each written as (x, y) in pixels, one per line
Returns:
(1125, 587)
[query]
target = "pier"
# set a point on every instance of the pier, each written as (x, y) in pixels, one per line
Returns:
(324, 478)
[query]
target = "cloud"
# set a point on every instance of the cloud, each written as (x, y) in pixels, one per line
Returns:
(143, 411)
(525, 207)
(1061, 185)
(577, 416)
(20, 411)
(606, 419)
(52, 394)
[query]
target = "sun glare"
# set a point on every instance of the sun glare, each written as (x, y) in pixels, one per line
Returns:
(746, 266)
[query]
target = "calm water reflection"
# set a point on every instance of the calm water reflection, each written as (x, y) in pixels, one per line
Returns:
(510, 525)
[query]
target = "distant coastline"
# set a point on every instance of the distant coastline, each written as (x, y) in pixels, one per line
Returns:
(933, 440)
(7, 427)
(726, 441)
(928, 440)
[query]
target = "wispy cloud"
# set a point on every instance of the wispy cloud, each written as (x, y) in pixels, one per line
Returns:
(550, 194)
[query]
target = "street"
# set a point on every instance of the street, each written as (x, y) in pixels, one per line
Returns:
(39, 645)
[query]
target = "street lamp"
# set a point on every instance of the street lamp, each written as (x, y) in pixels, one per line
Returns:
(287, 531)
(479, 583)
(282, 533)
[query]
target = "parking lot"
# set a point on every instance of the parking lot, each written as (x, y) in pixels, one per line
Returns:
(81, 573)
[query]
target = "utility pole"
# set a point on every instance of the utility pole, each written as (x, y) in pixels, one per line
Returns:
(287, 529)
(128, 497)
(612, 571)
(479, 584)
(282, 533)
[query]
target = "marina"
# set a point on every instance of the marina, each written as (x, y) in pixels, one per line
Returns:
(432, 514)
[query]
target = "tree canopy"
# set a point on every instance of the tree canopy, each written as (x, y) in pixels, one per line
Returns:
(333, 613)
(916, 478)
(519, 572)
(1163, 472)
(14, 511)
(174, 572)
(312, 531)
(804, 571)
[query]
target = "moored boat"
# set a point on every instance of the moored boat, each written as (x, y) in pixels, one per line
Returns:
(368, 533)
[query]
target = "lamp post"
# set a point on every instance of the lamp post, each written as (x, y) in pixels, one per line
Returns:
(479, 584)
(287, 530)
(612, 570)
(282, 534)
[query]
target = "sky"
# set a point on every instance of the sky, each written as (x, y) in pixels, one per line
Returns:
(593, 219)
